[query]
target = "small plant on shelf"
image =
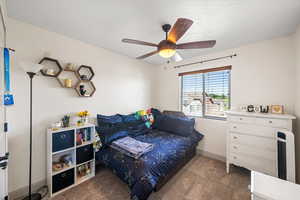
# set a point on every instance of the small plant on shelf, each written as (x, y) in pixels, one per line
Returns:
(66, 121)
(83, 117)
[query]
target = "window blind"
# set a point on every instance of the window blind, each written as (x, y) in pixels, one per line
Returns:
(192, 94)
(206, 93)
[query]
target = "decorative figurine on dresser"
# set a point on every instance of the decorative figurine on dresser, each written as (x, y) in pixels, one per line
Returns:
(71, 157)
(261, 142)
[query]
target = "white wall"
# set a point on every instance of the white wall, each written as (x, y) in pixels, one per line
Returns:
(123, 85)
(262, 73)
(297, 100)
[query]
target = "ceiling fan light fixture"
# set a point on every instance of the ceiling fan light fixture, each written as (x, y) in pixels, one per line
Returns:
(167, 48)
(167, 53)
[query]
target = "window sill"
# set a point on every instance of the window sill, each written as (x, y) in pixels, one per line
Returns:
(209, 117)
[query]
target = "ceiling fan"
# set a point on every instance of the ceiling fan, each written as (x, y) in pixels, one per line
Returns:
(167, 48)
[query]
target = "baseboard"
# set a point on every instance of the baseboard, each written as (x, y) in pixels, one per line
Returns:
(211, 155)
(22, 192)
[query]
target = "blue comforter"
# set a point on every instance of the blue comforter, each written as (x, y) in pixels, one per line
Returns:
(143, 174)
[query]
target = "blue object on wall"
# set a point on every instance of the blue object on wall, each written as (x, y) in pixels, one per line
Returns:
(8, 97)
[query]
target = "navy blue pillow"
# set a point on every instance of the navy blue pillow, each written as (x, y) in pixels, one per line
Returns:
(182, 126)
(131, 122)
(157, 116)
(109, 121)
(128, 118)
(109, 134)
(140, 129)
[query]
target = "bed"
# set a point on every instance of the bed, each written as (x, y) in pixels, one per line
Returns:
(152, 170)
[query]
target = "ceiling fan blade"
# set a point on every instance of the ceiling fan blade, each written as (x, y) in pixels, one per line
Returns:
(197, 45)
(139, 42)
(179, 29)
(147, 55)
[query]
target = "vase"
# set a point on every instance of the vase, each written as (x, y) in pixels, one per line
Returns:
(85, 120)
(68, 83)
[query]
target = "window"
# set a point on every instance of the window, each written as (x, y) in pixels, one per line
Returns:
(206, 93)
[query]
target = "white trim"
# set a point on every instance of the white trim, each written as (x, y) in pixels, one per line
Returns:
(211, 155)
(23, 191)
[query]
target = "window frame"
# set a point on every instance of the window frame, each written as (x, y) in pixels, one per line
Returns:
(203, 72)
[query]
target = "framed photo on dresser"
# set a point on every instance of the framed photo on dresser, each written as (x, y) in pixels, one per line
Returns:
(277, 109)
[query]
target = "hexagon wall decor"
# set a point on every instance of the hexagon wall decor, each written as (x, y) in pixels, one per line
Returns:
(87, 71)
(52, 70)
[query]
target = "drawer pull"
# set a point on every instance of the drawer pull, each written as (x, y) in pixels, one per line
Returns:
(234, 127)
(234, 137)
(234, 157)
(270, 122)
(241, 118)
(235, 147)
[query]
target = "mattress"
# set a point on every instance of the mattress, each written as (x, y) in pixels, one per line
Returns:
(143, 174)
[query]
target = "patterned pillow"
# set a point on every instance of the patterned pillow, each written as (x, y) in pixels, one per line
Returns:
(146, 116)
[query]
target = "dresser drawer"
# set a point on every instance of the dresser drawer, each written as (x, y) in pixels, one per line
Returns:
(250, 150)
(63, 180)
(254, 163)
(241, 119)
(277, 123)
(63, 140)
(261, 143)
(249, 129)
(258, 152)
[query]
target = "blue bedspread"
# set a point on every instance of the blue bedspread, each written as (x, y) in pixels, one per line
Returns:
(143, 174)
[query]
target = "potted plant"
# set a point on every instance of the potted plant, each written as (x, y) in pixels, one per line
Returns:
(83, 116)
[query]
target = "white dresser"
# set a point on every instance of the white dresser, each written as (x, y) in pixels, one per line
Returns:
(252, 141)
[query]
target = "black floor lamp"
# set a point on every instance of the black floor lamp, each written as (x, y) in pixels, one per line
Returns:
(31, 70)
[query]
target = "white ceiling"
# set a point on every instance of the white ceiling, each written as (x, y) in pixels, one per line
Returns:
(105, 22)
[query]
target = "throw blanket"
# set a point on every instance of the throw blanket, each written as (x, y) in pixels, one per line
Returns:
(131, 147)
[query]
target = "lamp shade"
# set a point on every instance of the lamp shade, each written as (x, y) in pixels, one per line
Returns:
(167, 53)
(177, 57)
(30, 67)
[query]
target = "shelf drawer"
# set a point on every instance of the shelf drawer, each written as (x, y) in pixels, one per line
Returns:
(63, 180)
(84, 154)
(63, 140)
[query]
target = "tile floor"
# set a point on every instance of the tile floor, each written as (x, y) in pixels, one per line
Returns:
(201, 179)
